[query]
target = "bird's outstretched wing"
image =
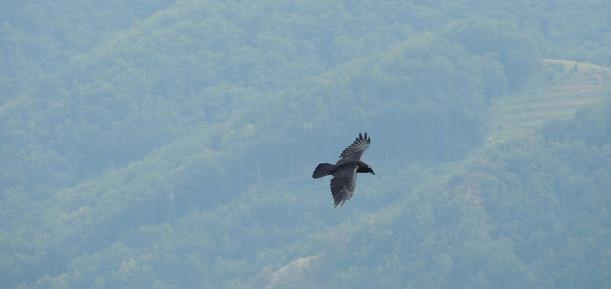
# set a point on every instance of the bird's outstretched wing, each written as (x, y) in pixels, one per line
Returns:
(356, 149)
(342, 185)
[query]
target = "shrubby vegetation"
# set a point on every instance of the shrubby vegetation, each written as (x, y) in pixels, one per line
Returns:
(169, 145)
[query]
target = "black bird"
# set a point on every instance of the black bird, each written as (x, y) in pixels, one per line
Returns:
(345, 170)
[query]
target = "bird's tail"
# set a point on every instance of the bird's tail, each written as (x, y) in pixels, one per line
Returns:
(322, 170)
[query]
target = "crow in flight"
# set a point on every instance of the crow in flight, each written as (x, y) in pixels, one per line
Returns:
(345, 170)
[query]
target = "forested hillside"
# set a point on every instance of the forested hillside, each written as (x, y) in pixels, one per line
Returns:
(170, 144)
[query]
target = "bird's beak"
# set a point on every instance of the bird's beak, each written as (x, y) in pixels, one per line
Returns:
(373, 172)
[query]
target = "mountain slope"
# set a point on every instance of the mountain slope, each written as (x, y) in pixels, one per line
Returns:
(172, 147)
(563, 88)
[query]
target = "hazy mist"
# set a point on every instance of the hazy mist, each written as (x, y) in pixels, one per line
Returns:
(171, 144)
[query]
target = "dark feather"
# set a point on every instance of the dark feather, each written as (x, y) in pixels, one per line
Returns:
(342, 185)
(356, 149)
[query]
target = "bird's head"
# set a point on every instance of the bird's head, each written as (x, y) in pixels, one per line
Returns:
(364, 168)
(369, 170)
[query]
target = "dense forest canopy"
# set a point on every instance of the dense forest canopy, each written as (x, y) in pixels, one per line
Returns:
(170, 144)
